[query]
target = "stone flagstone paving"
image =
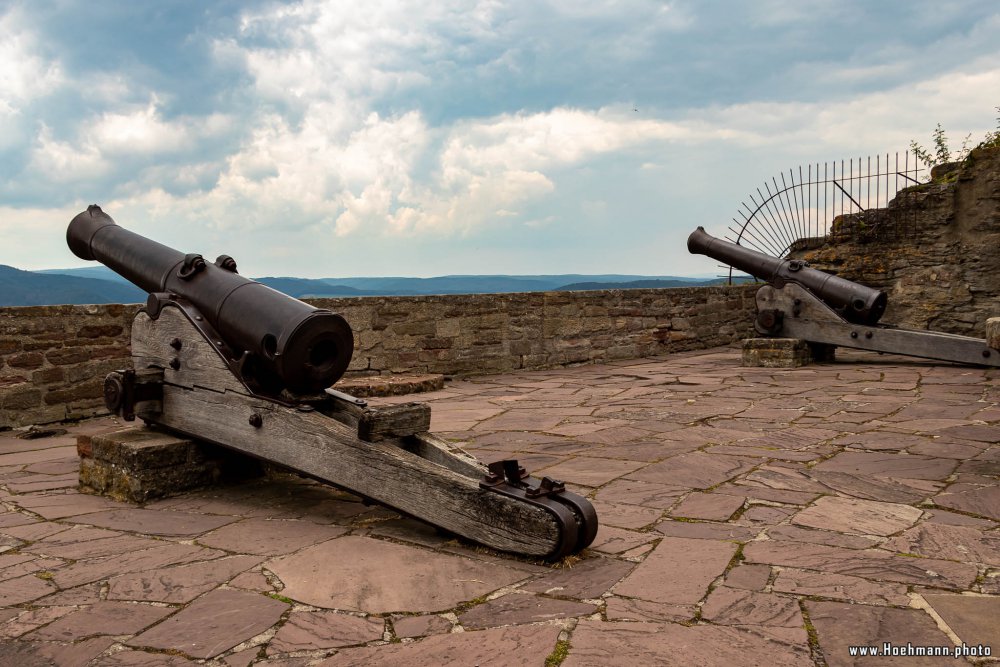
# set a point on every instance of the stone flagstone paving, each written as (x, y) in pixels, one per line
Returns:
(749, 516)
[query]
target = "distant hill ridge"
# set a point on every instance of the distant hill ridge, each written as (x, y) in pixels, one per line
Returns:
(99, 284)
(639, 284)
(27, 288)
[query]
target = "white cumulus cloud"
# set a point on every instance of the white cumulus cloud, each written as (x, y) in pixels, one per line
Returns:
(397, 174)
(26, 74)
(140, 130)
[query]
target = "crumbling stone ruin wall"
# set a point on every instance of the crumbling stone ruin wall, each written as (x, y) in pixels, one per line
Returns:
(53, 359)
(944, 274)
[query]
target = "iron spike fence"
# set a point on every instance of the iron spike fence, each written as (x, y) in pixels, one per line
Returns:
(849, 199)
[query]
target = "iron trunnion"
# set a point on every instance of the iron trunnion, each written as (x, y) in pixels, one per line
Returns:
(222, 358)
(799, 301)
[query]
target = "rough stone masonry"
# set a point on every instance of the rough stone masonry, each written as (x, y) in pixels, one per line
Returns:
(942, 271)
(53, 359)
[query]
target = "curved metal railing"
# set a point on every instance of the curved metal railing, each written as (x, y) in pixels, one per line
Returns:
(846, 198)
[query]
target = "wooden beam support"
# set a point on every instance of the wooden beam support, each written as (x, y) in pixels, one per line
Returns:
(386, 454)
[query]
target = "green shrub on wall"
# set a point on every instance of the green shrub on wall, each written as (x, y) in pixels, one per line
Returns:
(942, 151)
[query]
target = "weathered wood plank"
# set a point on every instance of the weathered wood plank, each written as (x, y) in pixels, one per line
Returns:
(196, 357)
(203, 399)
(150, 407)
(324, 448)
(437, 450)
(394, 421)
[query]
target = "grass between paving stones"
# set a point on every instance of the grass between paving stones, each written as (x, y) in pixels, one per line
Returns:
(469, 604)
(565, 563)
(738, 514)
(733, 562)
(281, 598)
(558, 654)
(814, 650)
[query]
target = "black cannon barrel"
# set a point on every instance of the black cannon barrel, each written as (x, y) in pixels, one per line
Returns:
(307, 348)
(855, 303)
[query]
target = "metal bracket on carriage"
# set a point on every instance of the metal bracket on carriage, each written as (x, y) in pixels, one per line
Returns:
(132, 393)
(510, 473)
(575, 515)
(157, 301)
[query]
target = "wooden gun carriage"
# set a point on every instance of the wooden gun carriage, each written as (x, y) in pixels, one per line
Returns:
(799, 301)
(224, 359)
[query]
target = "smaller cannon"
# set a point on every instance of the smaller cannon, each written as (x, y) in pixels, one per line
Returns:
(227, 360)
(799, 301)
(855, 303)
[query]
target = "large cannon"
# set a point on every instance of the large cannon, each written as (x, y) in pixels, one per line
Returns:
(225, 359)
(278, 342)
(799, 301)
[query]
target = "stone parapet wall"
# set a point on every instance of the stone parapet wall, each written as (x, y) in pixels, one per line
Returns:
(492, 333)
(53, 359)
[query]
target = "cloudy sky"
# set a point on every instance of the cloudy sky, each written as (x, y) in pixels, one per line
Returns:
(335, 138)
